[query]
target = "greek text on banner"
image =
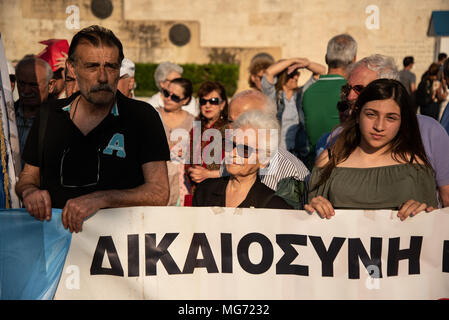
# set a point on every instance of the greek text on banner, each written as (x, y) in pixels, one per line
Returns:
(225, 253)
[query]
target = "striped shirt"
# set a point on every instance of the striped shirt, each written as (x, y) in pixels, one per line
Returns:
(282, 165)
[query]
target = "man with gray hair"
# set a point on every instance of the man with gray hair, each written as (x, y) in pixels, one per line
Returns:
(365, 71)
(321, 98)
(433, 135)
(34, 86)
(96, 149)
(164, 73)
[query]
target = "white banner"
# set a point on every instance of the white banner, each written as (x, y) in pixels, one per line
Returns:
(225, 253)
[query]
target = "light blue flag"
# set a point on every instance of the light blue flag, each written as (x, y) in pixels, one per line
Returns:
(32, 254)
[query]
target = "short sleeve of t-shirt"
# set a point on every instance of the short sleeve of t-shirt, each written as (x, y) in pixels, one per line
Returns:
(436, 144)
(153, 145)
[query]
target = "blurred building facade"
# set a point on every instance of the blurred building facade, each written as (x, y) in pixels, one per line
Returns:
(228, 31)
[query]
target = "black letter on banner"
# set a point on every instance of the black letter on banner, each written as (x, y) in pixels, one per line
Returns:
(133, 255)
(105, 243)
(356, 250)
(267, 253)
(412, 254)
(446, 256)
(327, 257)
(226, 253)
(284, 265)
(153, 253)
(200, 240)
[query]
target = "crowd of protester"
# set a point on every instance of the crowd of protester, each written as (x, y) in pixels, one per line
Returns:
(358, 134)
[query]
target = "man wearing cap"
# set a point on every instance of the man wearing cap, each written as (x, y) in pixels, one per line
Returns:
(99, 149)
(126, 83)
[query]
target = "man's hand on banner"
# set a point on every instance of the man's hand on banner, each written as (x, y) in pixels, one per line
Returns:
(38, 203)
(78, 209)
(412, 208)
(322, 206)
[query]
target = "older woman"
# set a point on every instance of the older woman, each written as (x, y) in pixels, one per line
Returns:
(378, 161)
(177, 94)
(164, 73)
(243, 188)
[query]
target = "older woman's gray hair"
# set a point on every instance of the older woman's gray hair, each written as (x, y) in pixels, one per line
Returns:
(264, 121)
(385, 66)
(163, 70)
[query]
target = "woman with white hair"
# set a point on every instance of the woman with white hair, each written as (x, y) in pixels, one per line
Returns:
(164, 73)
(247, 150)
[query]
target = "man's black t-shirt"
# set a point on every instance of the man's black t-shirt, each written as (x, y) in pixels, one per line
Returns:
(108, 157)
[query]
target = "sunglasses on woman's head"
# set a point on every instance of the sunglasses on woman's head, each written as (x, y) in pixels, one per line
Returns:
(243, 150)
(173, 97)
(212, 101)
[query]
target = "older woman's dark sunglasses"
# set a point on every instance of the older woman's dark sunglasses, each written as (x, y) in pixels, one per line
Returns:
(173, 97)
(213, 101)
(243, 150)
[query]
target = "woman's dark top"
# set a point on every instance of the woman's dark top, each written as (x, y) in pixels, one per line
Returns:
(212, 193)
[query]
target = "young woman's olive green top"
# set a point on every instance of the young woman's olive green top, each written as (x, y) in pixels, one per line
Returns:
(386, 187)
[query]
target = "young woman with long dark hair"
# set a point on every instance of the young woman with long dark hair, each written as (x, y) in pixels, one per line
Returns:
(378, 161)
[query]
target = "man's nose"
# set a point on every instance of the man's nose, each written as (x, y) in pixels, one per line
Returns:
(102, 75)
(352, 95)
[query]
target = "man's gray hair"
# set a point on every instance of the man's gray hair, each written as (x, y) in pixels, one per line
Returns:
(269, 106)
(163, 70)
(384, 66)
(32, 59)
(341, 51)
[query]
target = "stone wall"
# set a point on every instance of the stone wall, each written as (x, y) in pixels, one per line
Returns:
(231, 29)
